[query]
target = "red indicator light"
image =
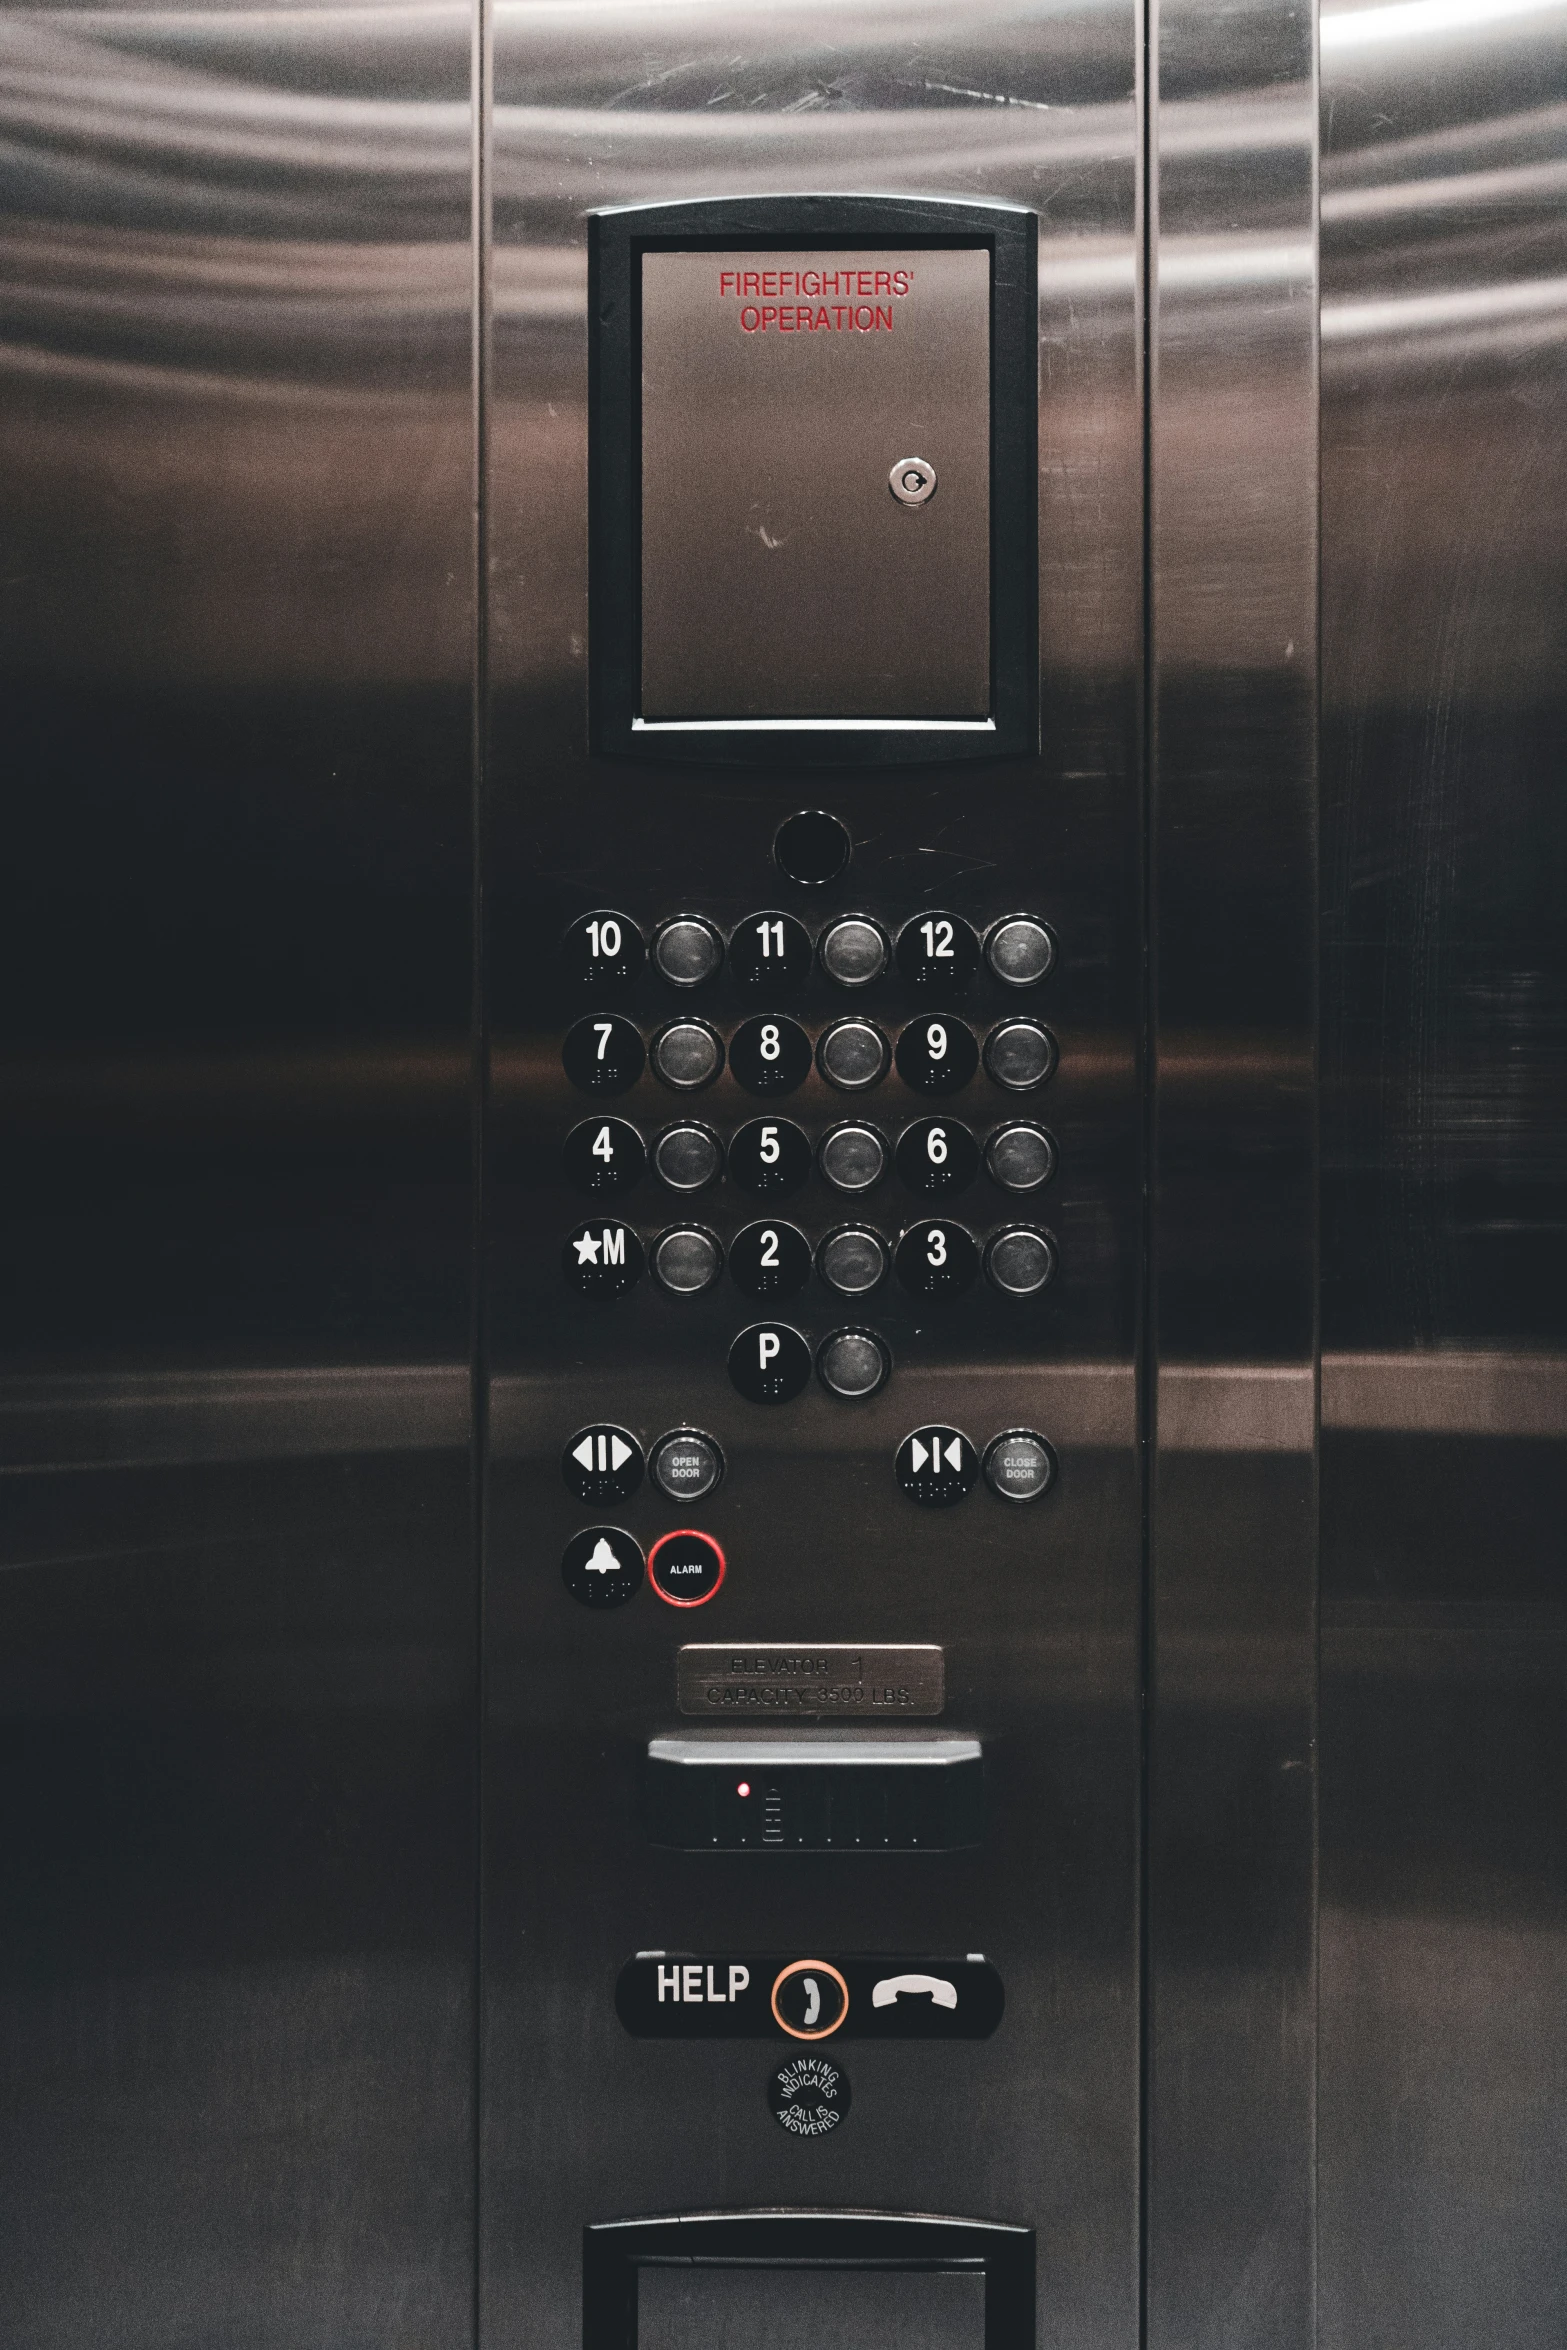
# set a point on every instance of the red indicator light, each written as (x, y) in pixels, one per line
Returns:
(744, 1787)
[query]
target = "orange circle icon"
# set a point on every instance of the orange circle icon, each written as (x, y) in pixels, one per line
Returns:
(813, 2008)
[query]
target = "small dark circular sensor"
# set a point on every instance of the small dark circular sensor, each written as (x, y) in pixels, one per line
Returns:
(812, 847)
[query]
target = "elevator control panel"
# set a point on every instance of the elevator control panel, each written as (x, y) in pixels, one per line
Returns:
(826, 1793)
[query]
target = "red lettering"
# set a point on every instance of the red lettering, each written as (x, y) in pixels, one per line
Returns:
(884, 281)
(820, 320)
(752, 283)
(769, 284)
(902, 279)
(810, 281)
(769, 317)
(726, 283)
(837, 314)
(749, 318)
(884, 317)
(786, 322)
(865, 318)
(865, 281)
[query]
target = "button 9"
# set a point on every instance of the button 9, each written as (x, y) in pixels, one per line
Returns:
(687, 1055)
(603, 1056)
(769, 1158)
(1020, 1261)
(770, 1055)
(604, 1155)
(1019, 1055)
(853, 1158)
(1020, 950)
(937, 951)
(687, 951)
(602, 950)
(770, 950)
(937, 1055)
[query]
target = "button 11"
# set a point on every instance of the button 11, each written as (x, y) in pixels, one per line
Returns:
(770, 950)
(854, 951)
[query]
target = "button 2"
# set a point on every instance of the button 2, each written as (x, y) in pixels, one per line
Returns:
(770, 1260)
(685, 1568)
(770, 1363)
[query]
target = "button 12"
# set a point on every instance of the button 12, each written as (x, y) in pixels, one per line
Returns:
(602, 950)
(603, 1155)
(937, 1466)
(602, 1567)
(602, 1464)
(603, 1260)
(936, 1259)
(685, 1568)
(938, 1157)
(937, 951)
(770, 950)
(770, 1363)
(769, 1158)
(603, 1056)
(1020, 950)
(770, 1260)
(770, 1056)
(937, 1055)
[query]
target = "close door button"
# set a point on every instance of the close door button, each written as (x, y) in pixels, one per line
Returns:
(1019, 1466)
(937, 1466)
(852, 1364)
(687, 1055)
(687, 951)
(1019, 1262)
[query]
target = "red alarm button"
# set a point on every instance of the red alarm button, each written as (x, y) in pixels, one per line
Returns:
(685, 1568)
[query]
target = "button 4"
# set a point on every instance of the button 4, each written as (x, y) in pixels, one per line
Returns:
(604, 1155)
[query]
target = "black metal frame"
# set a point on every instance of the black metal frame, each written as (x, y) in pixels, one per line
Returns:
(616, 241)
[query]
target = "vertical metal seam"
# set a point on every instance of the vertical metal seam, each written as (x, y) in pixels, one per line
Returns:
(1316, 1199)
(1147, 204)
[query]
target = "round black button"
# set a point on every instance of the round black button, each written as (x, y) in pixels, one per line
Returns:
(1020, 1261)
(852, 1260)
(770, 1260)
(685, 1568)
(769, 1158)
(854, 951)
(853, 1158)
(853, 1055)
(936, 1259)
(602, 950)
(770, 1054)
(937, 1466)
(1019, 1055)
(852, 1364)
(811, 847)
(687, 1260)
(687, 951)
(602, 1464)
(603, 1260)
(1020, 950)
(687, 1055)
(686, 1465)
(770, 950)
(603, 1056)
(937, 951)
(1019, 1466)
(809, 2096)
(809, 1999)
(603, 1155)
(688, 1158)
(938, 1157)
(602, 1567)
(770, 1363)
(1020, 1158)
(937, 1054)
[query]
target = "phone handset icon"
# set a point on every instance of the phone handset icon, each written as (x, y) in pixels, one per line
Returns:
(813, 2001)
(892, 1987)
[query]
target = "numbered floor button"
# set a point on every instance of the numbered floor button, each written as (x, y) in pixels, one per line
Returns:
(937, 1055)
(770, 1055)
(938, 1157)
(1020, 950)
(812, 847)
(770, 1260)
(769, 1158)
(1019, 1055)
(687, 1055)
(1019, 1466)
(937, 1466)
(852, 1260)
(853, 1158)
(602, 1567)
(602, 950)
(687, 951)
(688, 1157)
(936, 1259)
(853, 1364)
(770, 950)
(1020, 1261)
(604, 1155)
(603, 1260)
(770, 1363)
(686, 1260)
(854, 951)
(603, 1056)
(685, 1568)
(685, 1465)
(1020, 1158)
(852, 1055)
(937, 951)
(602, 1464)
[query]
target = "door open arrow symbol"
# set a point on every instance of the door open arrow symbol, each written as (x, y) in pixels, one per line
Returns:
(920, 1456)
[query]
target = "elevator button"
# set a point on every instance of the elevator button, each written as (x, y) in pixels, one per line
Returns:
(1020, 1261)
(809, 1999)
(770, 1260)
(603, 1056)
(852, 1364)
(912, 481)
(602, 1464)
(937, 1466)
(811, 847)
(938, 1157)
(937, 1055)
(853, 1055)
(854, 951)
(603, 1260)
(686, 1465)
(1019, 1055)
(685, 1568)
(687, 1260)
(769, 1158)
(687, 951)
(687, 1055)
(688, 1157)
(1020, 1158)
(936, 1259)
(602, 1567)
(937, 951)
(604, 1155)
(770, 1054)
(602, 950)
(1020, 950)
(1019, 1466)
(770, 950)
(852, 1260)
(770, 1363)
(853, 1158)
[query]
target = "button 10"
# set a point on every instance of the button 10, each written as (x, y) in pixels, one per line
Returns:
(770, 1363)
(602, 1464)
(687, 1055)
(937, 1157)
(770, 1260)
(769, 1158)
(937, 1055)
(603, 1155)
(687, 951)
(936, 1259)
(937, 951)
(603, 1260)
(688, 1157)
(686, 1465)
(603, 1056)
(602, 950)
(1020, 1158)
(1019, 1466)
(770, 950)
(770, 1056)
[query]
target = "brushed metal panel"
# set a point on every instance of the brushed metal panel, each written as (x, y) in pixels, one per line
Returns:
(783, 2309)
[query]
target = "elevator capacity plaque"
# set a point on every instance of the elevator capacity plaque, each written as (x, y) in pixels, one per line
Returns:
(730, 1680)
